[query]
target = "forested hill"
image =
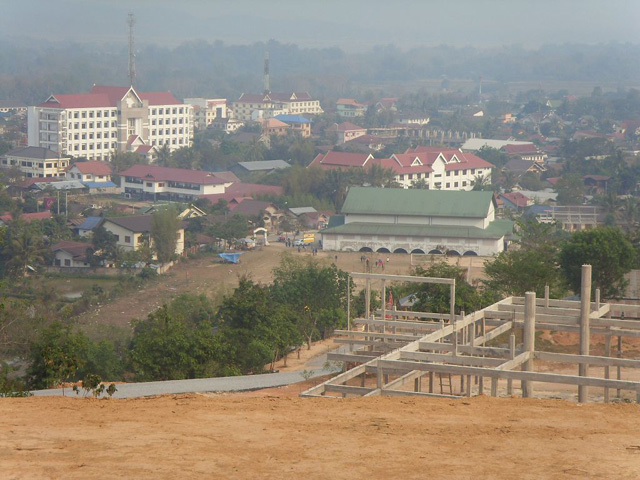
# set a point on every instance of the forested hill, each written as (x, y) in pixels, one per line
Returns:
(30, 71)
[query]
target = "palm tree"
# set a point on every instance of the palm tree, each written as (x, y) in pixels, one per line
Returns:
(22, 249)
(630, 213)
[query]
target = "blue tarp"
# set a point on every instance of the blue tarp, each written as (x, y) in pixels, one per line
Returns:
(230, 257)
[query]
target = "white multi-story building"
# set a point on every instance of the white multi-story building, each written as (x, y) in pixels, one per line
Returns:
(110, 119)
(262, 106)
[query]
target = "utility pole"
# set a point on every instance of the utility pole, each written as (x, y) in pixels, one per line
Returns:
(131, 21)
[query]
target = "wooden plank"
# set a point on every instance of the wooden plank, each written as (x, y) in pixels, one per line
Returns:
(450, 359)
(588, 359)
(420, 325)
(514, 362)
(347, 389)
(509, 374)
(466, 349)
(406, 393)
(349, 357)
(403, 278)
(394, 336)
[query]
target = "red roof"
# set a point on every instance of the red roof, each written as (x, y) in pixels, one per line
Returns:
(350, 101)
(348, 126)
(455, 159)
(340, 160)
(244, 190)
(102, 96)
(93, 167)
(153, 172)
(528, 148)
(516, 198)
(27, 217)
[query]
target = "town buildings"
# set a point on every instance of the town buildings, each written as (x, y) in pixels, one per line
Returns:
(395, 220)
(134, 231)
(431, 168)
(349, 108)
(207, 111)
(155, 182)
(36, 162)
(110, 119)
(256, 106)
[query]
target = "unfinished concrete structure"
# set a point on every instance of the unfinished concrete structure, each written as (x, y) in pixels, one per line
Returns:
(400, 353)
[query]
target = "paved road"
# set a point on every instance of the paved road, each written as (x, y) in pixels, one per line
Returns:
(200, 385)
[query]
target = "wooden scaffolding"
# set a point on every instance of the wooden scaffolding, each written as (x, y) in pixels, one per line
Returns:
(400, 353)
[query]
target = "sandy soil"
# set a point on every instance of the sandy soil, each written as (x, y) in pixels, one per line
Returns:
(240, 436)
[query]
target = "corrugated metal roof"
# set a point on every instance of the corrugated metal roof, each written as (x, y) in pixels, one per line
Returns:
(433, 203)
(300, 210)
(497, 229)
(264, 165)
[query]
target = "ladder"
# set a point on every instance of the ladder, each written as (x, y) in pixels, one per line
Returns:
(445, 383)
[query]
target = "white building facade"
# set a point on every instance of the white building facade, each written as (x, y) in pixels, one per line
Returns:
(110, 119)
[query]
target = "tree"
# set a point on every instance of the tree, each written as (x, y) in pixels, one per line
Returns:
(436, 297)
(232, 229)
(531, 265)
(55, 356)
(164, 232)
(105, 246)
(608, 252)
(23, 248)
(165, 347)
(570, 190)
(316, 292)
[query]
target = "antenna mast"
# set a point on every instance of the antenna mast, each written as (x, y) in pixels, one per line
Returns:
(131, 21)
(267, 88)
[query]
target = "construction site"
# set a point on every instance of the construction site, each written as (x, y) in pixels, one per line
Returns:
(395, 352)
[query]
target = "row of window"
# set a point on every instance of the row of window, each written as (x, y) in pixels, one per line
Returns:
(83, 125)
(92, 146)
(25, 163)
(95, 113)
(167, 111)
(90, 136)
(464, 172)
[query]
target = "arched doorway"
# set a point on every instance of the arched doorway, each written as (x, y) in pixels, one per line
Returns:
(470, 253)
(435, 252)
(264, 232)
(399, 250)
(383, 250)
(365, 249)
(453, 253)
(417, 250)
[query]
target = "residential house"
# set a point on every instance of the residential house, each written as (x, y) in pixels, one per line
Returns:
(347, 131)
(396, 220)
(106, 119)
(266, 212)
(227, 125)
(36, 162)
(95, 175)
(151, 181)
(349, 108)
(344, 160)
(596, 184)
(87, 226)
(525, 151)
(515, 201)
(272, 126)
(387, 104)
(68, 254)
(263, 166)
(297, 123)
(134, 231)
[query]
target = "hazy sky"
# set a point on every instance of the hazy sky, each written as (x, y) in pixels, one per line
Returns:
(350, 24)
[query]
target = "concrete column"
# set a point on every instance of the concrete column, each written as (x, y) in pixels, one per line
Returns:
(383, 294)
(529, 339)
(367, 299)
(585, 311)
(512, 355)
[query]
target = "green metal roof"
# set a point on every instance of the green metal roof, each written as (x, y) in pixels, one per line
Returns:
(433, 203)
(497, 229)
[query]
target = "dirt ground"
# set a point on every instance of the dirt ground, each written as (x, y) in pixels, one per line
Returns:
(274, 434)
(279, 435)
(206, 275)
